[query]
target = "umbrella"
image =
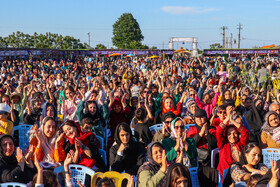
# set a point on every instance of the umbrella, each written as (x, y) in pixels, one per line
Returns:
(130, 55)
(154, 56)
(115, 54)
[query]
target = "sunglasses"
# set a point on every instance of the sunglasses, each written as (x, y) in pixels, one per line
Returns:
(181, 127)
(192, 94)
(222, 112)
(167, 122)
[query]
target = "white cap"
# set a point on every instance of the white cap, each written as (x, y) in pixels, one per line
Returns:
(4, 108)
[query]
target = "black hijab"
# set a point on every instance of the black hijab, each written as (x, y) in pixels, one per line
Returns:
(151, 165)
(255, 117)
(7, 160)
(97, 116)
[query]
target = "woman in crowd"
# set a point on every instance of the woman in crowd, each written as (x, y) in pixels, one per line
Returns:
(44, 141)
(14, 168)
(69, 106)
(34, 110)
(126, 154)
(178, 175)
(178, 142)
(84, 145)
(152, 172)
(204, 136)
(248, 164)
(188, 116)
(231, 139)
(270, 131)
(14, 114)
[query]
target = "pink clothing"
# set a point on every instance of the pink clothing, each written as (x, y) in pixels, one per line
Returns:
(207, 107)
(69, 110)
(223, 74)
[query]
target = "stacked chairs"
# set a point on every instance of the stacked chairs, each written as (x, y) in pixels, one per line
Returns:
(13, 184)
(116, 177)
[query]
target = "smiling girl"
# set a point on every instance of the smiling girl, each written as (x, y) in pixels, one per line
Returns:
(69, 106)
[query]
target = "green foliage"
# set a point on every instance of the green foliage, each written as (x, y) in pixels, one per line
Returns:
(216, 46)
(48, 40)
(100, 46)
(153, 47)
(127, 33)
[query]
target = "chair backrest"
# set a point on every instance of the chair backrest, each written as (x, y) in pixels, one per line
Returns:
(155, 128)
(132, 131)
(188, 126)
(225, 173)
(194, 176)
(13, 184)
(103, 155)
(78, 172)
(214, 153)
(23, 135)
(116, 177)
(101, 141)
(270, 153)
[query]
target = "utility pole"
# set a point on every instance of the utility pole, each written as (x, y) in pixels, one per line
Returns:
(224, 35)
(231, 40)
(239, 29)
(89, 40)
(227, 42)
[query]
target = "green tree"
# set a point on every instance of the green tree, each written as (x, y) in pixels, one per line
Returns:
(127, 33)
(153, 47)
(100, 46)
(216, 46)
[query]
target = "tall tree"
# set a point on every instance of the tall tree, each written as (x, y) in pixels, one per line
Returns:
(216, 46)
(100, 46)
(127, 32)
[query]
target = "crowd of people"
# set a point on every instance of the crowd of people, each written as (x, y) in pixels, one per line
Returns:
(233, 105)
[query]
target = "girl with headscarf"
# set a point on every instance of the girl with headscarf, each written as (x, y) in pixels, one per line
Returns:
(152, 172)
(188, 115)
(178, 142)
(231, 139)
(85, 146)
(13, 168)
(248, 164)
(43, 142)
(34, 110)
(90, 110)
(255, 119)
(270, 135)
(126, 154)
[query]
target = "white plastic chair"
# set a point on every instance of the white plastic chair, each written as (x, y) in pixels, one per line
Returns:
(78, 172)
(155, 128)
(214, 153)
(13, 184)
(270, 153)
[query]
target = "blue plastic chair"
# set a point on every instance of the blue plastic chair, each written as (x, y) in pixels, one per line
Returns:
(188, 126)
(23, 135)
(78, 173)
(103, 155)
(132, 131)
(270, 153)
(155, 128)
(220, 182)
(13, 184)
(101, 141)
(225, 173)
(214, 153)
(194, 176)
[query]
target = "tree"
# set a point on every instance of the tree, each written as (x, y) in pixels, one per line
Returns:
(100, 46)
(153, 47)
(127, 33)
(216, 46)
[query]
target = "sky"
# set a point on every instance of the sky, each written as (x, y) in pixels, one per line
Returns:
(159, 20)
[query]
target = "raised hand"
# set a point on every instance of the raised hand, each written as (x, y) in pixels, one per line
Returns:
(163, 161)
(60, 139)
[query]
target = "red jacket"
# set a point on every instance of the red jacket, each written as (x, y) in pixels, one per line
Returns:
(201, 141)
(225, 148)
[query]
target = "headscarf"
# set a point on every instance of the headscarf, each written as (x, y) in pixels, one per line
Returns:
(48, 144)
(255, 118)
(150, 165)
(9, 160)
(117, 101)
(97, 116)
(272, 131)
(188, 107)
(176, 112)
(44, 111)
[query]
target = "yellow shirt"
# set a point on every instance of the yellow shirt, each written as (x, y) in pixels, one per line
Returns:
(6, 127)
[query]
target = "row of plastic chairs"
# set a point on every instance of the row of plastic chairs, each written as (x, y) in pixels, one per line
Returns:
(80, 173)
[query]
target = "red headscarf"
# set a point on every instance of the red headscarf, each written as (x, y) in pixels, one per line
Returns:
(164, 109)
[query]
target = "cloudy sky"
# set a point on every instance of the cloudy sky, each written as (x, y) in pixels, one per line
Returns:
(159, 19)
